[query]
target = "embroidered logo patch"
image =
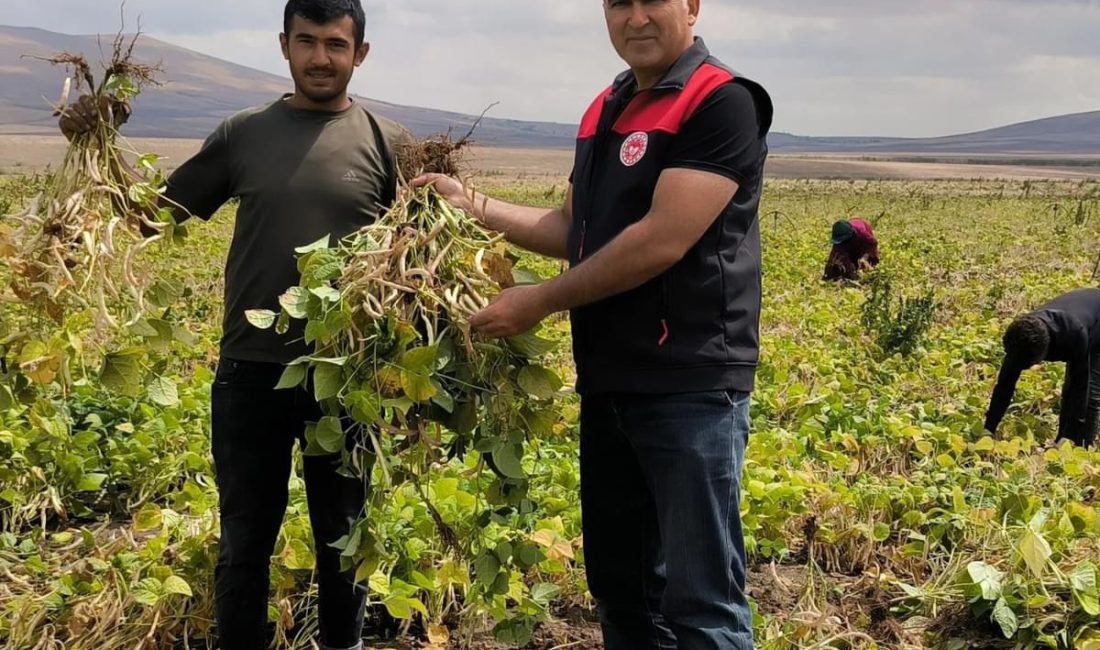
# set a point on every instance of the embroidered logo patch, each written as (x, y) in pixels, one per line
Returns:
(634, 148)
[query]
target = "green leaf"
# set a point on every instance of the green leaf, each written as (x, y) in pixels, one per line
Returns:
(315, 246)
(296, 302)
(539, 382)
(352, 546)
(298, 556)
(544, 592)
(164, 292)
(146, 597)
(261, 318)
(443, 400)
(507, 459)
(1006, 618)
(504, 550)
(486, 567)
(177, 585)
(515, 632)
(181, 334)
(330, 434)
(143, 328)
(1083, 580)
(418, 386)
(149, 591)
(292, 377)
(121, 372)
(328, 379)
(398, 607)
(1035, 551)
(282, 326)
(420, 360)
(379, 583)
(530, 346)
(445, 488)
(162, 391)
(91, 482)
(528, 555)
(326, 293)
(987, 579)
(524, 276)
(364, 406)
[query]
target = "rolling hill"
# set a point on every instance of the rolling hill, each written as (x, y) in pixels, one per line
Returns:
(201, 90)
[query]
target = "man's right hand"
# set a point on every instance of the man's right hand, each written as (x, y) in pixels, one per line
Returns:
(83, 115)
(452, 191)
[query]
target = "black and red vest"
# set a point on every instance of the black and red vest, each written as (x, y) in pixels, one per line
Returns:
(696, 326)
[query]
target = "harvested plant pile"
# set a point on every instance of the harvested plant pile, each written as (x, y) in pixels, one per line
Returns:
(388, 310)
(73, 248)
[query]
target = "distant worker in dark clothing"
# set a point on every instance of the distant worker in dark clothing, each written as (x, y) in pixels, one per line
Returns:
(1065, 329)
(854, 249)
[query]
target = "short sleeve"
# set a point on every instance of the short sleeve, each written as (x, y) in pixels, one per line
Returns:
(723, 136)
(203, 183)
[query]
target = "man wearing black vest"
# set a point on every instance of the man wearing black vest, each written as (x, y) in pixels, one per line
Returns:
(660, 227)
(305, 165)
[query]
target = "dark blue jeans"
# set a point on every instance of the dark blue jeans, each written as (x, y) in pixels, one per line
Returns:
(660, 496)
(254, 429)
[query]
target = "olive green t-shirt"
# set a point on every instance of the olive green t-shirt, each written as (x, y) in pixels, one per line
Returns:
(299, 175)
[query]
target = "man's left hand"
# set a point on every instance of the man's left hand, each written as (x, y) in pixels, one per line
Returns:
(513, 312)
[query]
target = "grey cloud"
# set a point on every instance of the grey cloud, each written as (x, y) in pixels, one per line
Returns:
(840, 67)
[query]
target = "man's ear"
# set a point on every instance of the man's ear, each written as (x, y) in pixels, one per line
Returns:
(284, 45)
(361, 53)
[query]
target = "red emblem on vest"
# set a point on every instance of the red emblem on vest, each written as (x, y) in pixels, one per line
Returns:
(634, 148)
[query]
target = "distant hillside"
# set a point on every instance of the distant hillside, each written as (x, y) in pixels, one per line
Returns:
(1077, 134)
(201, 90)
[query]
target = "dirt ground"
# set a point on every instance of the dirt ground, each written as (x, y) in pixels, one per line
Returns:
(20, 154)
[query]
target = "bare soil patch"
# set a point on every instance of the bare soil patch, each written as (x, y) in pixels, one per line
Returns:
(21, 154)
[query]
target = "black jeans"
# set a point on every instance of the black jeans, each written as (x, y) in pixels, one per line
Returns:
(1092, 413)
(254, 429)
(660, 498)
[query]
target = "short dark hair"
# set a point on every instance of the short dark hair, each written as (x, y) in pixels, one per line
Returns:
(324, 11)
(1027, 339)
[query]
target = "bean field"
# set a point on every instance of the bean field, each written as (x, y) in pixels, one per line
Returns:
(878, 513)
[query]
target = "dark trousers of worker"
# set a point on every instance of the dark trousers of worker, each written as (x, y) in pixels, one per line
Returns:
(254, 430)
(663, 545)
(1092, 413)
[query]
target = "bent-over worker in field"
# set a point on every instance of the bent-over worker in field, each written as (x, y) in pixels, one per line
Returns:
(1065, 329)
(661, 229)
(309, 164)
(854, 249)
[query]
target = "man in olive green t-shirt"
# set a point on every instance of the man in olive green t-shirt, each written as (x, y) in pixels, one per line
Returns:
(309, 164)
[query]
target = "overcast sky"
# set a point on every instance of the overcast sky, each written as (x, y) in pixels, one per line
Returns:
(835, 67)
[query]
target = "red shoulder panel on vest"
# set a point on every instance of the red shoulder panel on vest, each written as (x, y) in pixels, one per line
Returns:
(591, 119)
(669, 111)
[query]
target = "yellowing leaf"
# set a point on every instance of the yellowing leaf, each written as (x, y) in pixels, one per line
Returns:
(985, 444)
(177, 585)
(438, 635)
(149, 517)
(1035, 551)
(39, 363)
